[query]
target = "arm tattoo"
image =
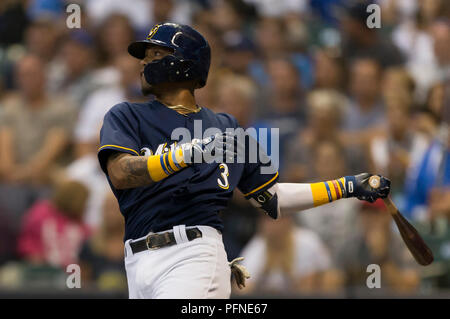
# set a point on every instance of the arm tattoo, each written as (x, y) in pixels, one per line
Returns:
(135, 168)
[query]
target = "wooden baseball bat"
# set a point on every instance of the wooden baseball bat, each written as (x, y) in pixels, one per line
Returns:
(416, 245)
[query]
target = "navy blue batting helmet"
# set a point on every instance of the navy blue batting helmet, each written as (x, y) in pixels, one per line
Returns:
(190, 59)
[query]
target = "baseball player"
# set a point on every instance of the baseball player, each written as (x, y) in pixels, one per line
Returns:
(171, 193)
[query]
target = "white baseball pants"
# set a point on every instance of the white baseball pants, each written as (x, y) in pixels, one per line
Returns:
(194, 269)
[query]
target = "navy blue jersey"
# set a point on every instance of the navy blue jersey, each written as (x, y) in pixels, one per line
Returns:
(193, 196)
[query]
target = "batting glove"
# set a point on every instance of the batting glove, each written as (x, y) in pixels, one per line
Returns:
(358, 186)
(214, 148)
(239, 272)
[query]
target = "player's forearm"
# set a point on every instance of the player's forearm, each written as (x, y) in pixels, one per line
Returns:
(294, 197)
(128, 171)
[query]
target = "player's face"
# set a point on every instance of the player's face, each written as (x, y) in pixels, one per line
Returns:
(152, 53)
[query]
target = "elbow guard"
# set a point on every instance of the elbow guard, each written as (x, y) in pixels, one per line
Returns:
(268, 201)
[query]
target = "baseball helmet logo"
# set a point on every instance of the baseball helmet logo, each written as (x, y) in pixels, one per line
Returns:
(153, 31)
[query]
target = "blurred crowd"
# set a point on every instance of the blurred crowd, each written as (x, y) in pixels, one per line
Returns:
(346, 99)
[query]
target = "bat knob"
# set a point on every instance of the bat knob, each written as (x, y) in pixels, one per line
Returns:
(374, 181)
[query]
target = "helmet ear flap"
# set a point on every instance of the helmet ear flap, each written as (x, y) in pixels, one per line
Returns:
(169, 69)
(178, 69)
(185, 66)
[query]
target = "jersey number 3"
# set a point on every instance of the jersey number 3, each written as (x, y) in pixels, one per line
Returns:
(223, 183)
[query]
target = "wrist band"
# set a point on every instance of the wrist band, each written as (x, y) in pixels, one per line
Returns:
(326, 192)
(164, 165)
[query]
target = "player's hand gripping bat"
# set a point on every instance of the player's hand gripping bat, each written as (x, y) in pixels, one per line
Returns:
(420, 251)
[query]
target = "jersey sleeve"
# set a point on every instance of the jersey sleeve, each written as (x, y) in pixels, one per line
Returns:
(119, 133)
(259, 173)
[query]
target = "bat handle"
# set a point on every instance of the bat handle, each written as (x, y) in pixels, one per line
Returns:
(390, 205)
(374, 182)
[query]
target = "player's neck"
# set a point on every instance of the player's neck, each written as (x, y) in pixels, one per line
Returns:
(178, 97)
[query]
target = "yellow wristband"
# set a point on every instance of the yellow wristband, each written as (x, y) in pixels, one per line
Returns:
(320, 194)
(326, 192)
(164, 165)
(155, 168)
